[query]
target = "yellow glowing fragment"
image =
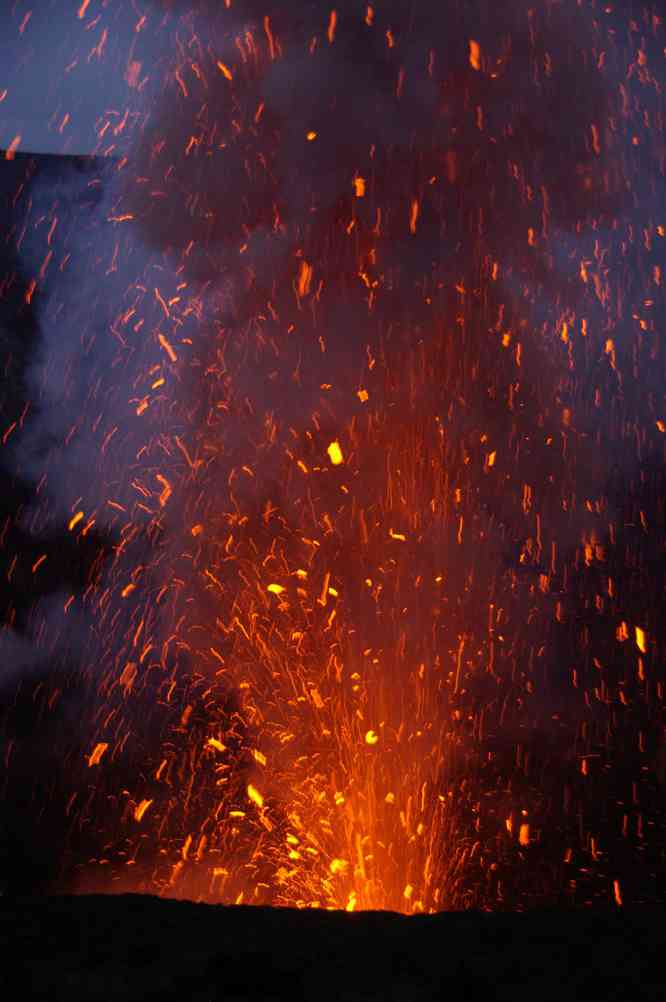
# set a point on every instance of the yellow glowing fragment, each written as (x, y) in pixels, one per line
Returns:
(389, 798)
(351, 903)
(397, 535)
(408, 891)
(641, 640)
(310, 136)
(276, 589)
(224, 70)
(258, 756)
(474, 54)
(335, 453)
(255, 796)
(371, 738)
(338, 865)
(359, 187)
(75, 520)
(524, 835)
(96, 757)
(141, 809)
(214, 743)
(236, 814)
(491, 458)
(661, 426)
(362, 395)
(301, 574)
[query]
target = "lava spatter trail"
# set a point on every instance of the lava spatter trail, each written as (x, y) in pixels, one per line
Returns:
(355, 360)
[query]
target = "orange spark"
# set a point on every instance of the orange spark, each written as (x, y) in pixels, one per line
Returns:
(474, 54)
(269, 36)
(226, 72)
(13, 146)
(332, 21)
(95, 756)
(359, 186)
(413, 216)
(214, 743)
(75, 520)
(141, 809)
(167, 490)
(167, 347)
(304, 279)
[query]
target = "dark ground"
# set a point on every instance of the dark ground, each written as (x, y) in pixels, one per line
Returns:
(129, 948)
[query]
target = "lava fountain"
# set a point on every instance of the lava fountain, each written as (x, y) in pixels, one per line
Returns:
(350, 290)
